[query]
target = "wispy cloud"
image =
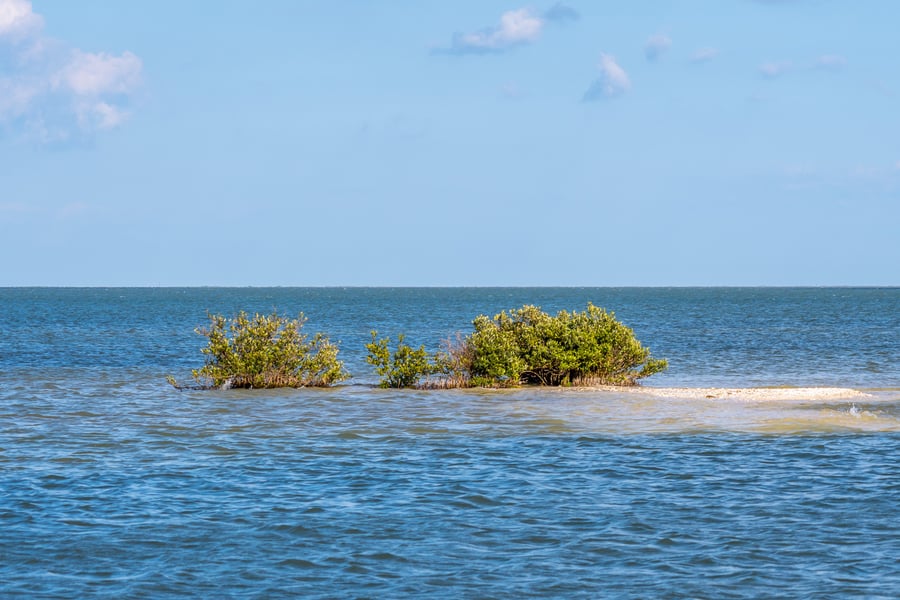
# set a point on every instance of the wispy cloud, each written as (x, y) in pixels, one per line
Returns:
(883, 87)
(771, 70)
(702, 55)
(511, 91)
(656, 46)
(517, 27)
(19, 211)
(561, 12)
(865, 171)
(55, 91)
(613, 80)
(831, 62)
(89, 74)
(15, 208)
(825, 62)
(72, 210)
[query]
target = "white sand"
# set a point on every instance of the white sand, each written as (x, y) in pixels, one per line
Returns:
(761, 394)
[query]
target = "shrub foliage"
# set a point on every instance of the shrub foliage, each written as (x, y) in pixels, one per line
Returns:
(522, 346)
(525, 346)
(404, 367)
(529, 346)
(266, 351)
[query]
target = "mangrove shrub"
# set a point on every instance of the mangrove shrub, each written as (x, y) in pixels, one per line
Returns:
(402, 368)
(266, 351)
(524, 346)
(528, 346)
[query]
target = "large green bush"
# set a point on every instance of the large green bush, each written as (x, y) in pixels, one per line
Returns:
(266, 351)
(524, 346)
(529, 346)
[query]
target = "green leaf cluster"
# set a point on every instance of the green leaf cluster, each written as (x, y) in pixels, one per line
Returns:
(523, 346)
(266, 351)
(404, 367)
(529, 346)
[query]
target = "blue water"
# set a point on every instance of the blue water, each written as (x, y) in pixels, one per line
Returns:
(113, 484)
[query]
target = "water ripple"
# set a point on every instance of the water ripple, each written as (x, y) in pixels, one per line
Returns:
(379, 493)
(112, 484)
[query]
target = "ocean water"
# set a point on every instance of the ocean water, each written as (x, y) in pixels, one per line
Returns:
(113, 484)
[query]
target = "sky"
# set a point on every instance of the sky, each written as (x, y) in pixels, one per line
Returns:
(439, 143)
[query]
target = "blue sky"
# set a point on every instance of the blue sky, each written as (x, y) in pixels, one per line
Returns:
(473, 142)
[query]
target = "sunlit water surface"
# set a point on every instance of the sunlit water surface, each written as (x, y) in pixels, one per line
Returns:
(113, 484)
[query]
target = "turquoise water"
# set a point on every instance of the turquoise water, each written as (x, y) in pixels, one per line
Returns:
(113, 484)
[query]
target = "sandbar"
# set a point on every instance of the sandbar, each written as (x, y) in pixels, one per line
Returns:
(752, 394)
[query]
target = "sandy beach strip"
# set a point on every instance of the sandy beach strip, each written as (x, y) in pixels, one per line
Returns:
(751, 394)
(761, 393)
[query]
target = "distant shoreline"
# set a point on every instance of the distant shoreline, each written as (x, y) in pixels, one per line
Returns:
(836, 286)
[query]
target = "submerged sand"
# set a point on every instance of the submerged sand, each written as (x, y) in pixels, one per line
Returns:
(760, 394)
(644, 410)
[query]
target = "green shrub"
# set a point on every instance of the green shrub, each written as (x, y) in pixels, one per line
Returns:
(265, 351)
(523, 346)
(402, 368)
(578, 348)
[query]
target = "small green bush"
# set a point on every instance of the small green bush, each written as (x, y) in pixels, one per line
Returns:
(531, 347)
(265, 351)
(402, 368)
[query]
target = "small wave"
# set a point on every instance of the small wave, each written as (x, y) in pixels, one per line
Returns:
(299, 563)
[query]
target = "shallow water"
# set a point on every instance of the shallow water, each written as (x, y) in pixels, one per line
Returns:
(113, 484)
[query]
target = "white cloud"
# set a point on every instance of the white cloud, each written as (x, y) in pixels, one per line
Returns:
(516, 27)
(18, 20)
(826, 62)
(702, 55)
(100, 115)
(89, 74)
(16, 96)
(656, 46)
(613, 80)
(55, 90)
(771, 70)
